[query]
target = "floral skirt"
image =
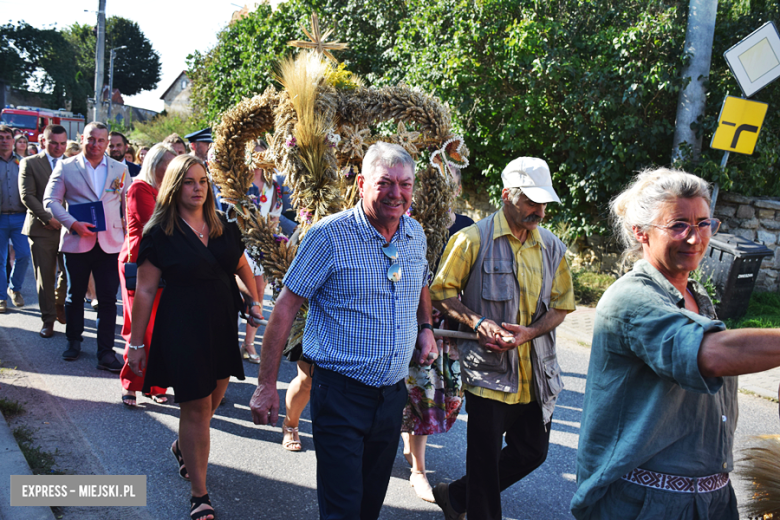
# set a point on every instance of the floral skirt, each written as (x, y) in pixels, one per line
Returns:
(435, 391)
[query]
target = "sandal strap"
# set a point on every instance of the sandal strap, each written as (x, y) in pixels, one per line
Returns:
(196, 502)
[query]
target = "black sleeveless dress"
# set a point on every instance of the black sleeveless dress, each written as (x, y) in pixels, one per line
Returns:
(195, 336)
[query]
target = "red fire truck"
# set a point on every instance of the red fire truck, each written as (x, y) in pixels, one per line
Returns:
(33, 120)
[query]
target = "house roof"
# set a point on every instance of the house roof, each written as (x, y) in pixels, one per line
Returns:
(178, 78)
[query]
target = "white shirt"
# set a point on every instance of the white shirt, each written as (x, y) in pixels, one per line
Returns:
(52, 160)
(98, 175)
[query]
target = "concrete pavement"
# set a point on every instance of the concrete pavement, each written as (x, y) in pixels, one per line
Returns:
(578, 327)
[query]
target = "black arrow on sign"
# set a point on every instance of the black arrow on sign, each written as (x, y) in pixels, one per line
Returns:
(739, 130)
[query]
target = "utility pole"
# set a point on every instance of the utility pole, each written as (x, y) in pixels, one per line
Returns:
(111, 83)
(100, 54)
(698, 43)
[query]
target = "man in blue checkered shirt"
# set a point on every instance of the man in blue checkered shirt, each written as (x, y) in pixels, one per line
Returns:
(364, 272)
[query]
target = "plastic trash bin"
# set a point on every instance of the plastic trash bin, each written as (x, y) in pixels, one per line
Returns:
(733, 262)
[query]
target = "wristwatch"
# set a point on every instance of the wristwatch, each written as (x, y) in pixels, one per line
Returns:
(422, 326)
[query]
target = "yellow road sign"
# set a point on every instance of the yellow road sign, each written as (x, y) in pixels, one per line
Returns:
(740, 123)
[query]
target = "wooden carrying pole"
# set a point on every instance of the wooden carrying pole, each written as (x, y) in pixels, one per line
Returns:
(440, 333)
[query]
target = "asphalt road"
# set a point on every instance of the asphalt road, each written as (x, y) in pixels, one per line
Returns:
(75, 410)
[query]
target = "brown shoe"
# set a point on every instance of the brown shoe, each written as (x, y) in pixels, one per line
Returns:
(60, 313)
(16, 297)
(48, 329)
(3, 307)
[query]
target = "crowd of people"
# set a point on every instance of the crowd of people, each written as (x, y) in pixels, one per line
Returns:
(660, 404)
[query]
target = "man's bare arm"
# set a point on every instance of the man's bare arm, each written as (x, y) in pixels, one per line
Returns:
(265, 400)
(488, 329)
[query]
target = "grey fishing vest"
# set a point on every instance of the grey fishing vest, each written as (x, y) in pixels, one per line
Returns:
(493, 291)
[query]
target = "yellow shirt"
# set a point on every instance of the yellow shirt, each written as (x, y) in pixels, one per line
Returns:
(453, 274)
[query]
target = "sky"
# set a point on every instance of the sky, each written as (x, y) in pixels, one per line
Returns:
(174, 28)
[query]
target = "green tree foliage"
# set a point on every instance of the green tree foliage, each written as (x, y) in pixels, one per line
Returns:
(242, 63)
(752, 175)
(589, 85)
(136, 68)
(40, 59)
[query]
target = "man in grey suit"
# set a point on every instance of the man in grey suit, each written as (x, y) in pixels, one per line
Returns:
(42, 229)
(88, 177)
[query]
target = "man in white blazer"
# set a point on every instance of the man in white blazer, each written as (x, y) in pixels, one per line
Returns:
(88, 177)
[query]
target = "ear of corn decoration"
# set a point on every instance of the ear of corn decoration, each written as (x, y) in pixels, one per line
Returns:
(760, 467)
(318, 128)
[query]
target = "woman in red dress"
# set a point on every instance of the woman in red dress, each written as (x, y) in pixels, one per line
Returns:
(141, 198)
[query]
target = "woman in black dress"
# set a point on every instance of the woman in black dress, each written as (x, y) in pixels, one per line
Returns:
(197, 252)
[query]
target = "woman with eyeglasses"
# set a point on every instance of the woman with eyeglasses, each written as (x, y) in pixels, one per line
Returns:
(660, 405)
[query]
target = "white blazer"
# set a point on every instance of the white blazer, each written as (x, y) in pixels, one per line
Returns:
(71, 184)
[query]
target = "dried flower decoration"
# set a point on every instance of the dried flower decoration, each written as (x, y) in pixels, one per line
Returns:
(354, 143)
(408, 139)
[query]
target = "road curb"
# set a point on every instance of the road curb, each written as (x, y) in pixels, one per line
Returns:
(12, 462)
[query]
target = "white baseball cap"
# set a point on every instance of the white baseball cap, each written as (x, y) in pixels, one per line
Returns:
(532, 175)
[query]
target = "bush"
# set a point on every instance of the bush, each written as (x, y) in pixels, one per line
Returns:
(153, 132)
(590, 286)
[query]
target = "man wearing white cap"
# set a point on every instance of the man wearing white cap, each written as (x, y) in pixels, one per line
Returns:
(515, 288)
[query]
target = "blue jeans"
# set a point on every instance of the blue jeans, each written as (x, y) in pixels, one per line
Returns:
(11, 227)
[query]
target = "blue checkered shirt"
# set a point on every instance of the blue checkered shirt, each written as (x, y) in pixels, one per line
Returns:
(360, 324)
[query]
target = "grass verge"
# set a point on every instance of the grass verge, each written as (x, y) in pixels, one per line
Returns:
(763, 312)
(10, 408)
(41, 462)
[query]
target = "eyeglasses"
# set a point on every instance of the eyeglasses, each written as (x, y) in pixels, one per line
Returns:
(682, 230)
(394, 271)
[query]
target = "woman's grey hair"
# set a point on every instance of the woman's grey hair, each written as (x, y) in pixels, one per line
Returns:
(641, 203)
(152, 159)
(387, 155)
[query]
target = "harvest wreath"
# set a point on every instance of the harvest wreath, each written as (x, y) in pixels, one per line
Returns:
(318, 128)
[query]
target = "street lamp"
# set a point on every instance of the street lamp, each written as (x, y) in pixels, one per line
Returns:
(111, 82)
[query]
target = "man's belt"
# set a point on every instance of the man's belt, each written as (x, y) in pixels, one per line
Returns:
(12, 212)
(651, 479)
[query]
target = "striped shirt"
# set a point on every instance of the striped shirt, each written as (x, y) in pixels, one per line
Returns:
(360, 324)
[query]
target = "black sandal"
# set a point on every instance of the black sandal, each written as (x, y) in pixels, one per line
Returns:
(196, 502)
(179, 460)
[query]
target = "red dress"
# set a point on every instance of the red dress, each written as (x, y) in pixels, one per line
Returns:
(141, 198)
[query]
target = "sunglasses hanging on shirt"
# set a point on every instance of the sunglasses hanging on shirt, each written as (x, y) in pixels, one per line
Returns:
(394, 271)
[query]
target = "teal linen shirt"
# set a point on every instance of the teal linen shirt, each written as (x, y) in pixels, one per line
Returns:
(646, 403)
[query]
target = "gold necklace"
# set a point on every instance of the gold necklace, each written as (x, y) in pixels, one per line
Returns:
(199, 233)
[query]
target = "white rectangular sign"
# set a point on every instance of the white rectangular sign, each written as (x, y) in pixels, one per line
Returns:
(755, 61)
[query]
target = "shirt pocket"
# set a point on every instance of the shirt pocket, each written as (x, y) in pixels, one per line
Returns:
(497, 279)
(552, 373)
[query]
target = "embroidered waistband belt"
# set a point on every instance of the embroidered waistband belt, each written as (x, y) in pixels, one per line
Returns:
(677, 484)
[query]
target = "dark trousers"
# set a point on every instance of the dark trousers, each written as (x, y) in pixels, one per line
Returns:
(491, 469)
(356, 431)
(103, 267)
